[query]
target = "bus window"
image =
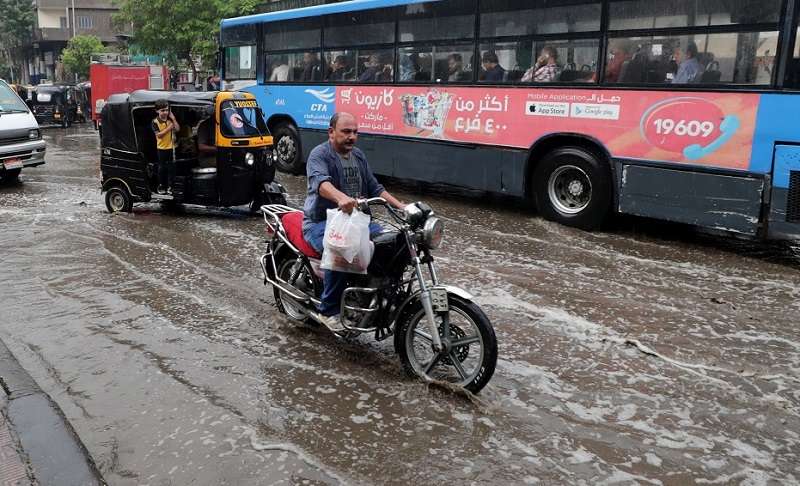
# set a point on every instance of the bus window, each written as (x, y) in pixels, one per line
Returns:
(519, 17)
(572, 61)
(295, 66)
(341, 65)
(414, 64)
(295, 34)
(728, 58)
(360, 28)
(503, 62)
(239, 35)
(453, 64)
(649, 14)
(240, 62)
(375, 66)
(437, 21)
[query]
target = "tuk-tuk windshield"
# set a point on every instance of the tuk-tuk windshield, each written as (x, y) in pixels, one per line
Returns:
(9, 101)
(241, 118)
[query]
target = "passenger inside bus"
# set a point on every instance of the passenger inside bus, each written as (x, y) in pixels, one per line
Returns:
(619, 56)
(546, 68)
(340, 69)
(492, 70)
(280, 70)
(689, 69)
(375, 70)
(312, 68)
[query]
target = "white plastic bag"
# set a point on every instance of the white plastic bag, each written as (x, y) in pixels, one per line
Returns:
(346, 245)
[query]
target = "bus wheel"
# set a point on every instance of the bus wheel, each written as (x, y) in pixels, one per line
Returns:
(287, 146)
(573, 187)
(118, 199)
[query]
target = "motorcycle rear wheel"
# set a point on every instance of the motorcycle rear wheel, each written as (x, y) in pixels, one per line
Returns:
(286, 304)
(470, 361)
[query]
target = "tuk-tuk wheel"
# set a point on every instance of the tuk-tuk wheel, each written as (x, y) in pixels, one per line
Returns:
(118, 199)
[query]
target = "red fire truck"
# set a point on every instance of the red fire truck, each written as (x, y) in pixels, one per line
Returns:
(111, 74)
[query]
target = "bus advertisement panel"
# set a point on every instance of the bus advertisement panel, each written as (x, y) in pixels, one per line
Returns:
(704, 129)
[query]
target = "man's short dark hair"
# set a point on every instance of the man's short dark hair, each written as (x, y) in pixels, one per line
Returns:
(489, 56)
(456, 57)
(162, 103)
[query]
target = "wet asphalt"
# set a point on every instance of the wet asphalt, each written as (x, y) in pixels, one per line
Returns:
(648, 353)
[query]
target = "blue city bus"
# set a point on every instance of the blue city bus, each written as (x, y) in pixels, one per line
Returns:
(681, 111)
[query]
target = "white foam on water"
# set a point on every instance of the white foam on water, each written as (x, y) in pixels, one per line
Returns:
(745, 477)
(260, 446)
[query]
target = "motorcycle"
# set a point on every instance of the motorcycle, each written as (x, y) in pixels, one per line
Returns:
(439, 333)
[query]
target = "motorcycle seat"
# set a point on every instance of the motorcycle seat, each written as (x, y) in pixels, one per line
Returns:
(293, 224)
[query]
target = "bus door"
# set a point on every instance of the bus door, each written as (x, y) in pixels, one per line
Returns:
(784, 212)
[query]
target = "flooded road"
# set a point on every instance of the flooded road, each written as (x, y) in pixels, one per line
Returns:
(648, 354)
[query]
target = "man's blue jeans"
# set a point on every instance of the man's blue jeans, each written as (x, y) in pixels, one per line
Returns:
(334, 283)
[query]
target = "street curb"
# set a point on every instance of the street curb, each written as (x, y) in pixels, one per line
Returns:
(55, 452)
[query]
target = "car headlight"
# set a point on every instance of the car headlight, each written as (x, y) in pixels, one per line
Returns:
(249, 158)
(433, 233)
(34, 134)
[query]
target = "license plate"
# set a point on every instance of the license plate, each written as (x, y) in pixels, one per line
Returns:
(439, 299)
(13, 164)
(57, 115)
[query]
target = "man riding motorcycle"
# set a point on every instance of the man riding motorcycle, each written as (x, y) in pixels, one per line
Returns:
(338, 174)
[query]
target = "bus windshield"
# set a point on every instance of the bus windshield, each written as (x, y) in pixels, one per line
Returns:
(9, 101)
(241, 119)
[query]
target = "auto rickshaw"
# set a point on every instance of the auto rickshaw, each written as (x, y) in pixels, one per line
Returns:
(54, 104)
(242, 171)
(83, 95)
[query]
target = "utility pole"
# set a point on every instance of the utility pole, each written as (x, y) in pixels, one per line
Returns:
(73, 30)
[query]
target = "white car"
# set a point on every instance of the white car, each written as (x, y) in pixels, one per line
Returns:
(21, 143)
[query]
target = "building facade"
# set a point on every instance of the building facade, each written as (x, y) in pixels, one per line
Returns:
(56, 22)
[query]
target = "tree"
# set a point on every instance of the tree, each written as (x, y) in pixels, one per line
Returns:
(78, 54)
(180, 29)
(16, 31)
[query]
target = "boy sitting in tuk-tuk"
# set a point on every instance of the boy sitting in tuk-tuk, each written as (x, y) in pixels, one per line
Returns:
(165, 126)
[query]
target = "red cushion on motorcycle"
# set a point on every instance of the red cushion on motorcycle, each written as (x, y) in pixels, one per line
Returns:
(293, 223)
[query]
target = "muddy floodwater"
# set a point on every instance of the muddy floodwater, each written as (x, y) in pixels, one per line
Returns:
(649, 353)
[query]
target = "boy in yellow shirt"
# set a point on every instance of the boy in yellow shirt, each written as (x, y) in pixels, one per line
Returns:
(165, 126)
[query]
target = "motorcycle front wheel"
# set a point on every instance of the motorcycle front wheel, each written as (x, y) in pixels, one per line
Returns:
(469, 360)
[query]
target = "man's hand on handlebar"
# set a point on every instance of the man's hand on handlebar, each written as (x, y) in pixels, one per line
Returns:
(346, 204)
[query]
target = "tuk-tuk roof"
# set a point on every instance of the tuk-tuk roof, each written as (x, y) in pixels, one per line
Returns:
(146, 96)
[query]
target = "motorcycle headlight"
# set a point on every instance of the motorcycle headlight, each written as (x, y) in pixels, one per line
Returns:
(249, 158)
(33, 134)
(433, 233)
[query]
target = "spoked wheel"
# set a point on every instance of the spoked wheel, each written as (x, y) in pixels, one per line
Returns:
(470, 353)
(301, 280)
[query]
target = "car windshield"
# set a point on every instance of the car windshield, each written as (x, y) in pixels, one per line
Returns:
(9, 101)
(241, 118)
